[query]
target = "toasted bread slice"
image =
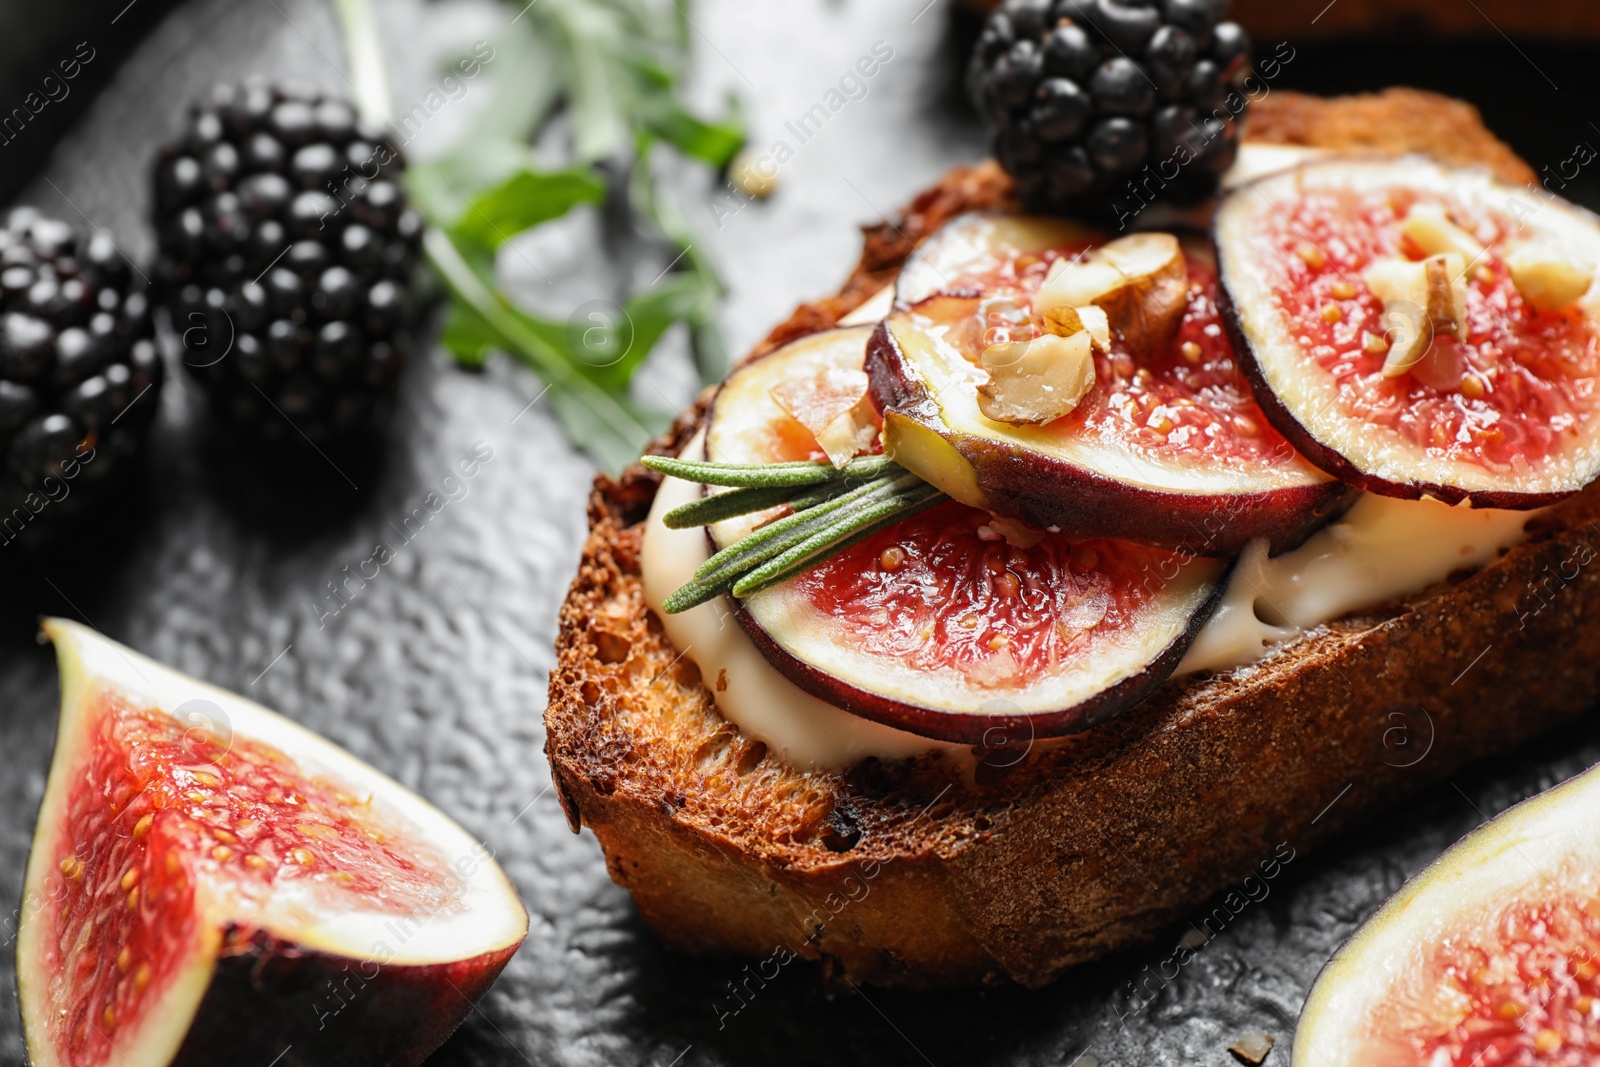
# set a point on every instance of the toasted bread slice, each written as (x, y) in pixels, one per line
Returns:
(908, 874)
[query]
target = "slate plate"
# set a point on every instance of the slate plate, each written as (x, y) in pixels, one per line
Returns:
(436, 670)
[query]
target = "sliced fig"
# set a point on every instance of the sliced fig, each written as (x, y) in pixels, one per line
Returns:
(207, 877)
(952, 623)
(1166, 446)
(1491, 955)
(1418, 329)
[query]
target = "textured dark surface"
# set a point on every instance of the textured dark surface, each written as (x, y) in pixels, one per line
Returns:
(56, 56)
(436, 670)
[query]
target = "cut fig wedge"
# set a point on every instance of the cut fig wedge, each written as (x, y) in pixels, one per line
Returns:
(208, 878)
(1166, 447)
(951, 623)
(1386, 373)
(1491, 955)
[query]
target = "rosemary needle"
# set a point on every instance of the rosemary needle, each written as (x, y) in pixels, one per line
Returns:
(743, 475)
(729, 505)
(717, 574)
(831, 509)
(836, 538)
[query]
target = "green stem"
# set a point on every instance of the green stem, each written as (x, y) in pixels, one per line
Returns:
(814, 523)
(756, 548)
(365, 51)
(465, 285)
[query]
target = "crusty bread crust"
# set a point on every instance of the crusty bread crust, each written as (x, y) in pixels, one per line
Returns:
(914, 874)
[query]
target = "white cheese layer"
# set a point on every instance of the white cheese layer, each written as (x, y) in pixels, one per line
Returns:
(1383, 549)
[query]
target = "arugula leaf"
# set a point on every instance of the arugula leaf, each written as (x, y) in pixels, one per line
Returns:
(611, 428)
(528, 85)
(710, 354)
(599, 438)
(524, 200)
(615, 65)
(710, 142)
(615, 350)
(612, 70)
(440, 188)
(468, 336)
(596, 94)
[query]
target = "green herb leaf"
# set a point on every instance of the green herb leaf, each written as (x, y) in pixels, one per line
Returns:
(597, 85)
(524, 200)
(893, 503)
(714, 143)
(612, 70)
(589, 427)
(610, 428)
(524, 84)
(468, 336)
(758, 475)
(727, 505)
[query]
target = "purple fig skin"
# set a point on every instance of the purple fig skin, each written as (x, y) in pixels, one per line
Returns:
(1044, 491)
(979, 729)
(269, 995)
(1309, 446)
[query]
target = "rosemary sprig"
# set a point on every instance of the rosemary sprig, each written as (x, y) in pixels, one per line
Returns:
(759, 475)
(830, 510)
(906, 499)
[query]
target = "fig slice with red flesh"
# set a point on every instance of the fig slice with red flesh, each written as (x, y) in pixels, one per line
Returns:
(1167, 446)
(207, 877)
(1482, 390)
(951, 623)
(1491, 955)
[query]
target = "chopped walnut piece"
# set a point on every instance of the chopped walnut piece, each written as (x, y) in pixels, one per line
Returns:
(1067, 320)
(1430, 229)
(1420, 302)
(1141, 282)
(1038, 381)
(1547, 278)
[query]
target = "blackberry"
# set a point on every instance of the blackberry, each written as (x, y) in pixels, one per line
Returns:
(80, 373)
(1102, 105)
(287, 258)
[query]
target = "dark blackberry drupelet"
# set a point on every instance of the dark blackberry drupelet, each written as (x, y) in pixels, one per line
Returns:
(287, 258)
(80, 373)
(1102, 105)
